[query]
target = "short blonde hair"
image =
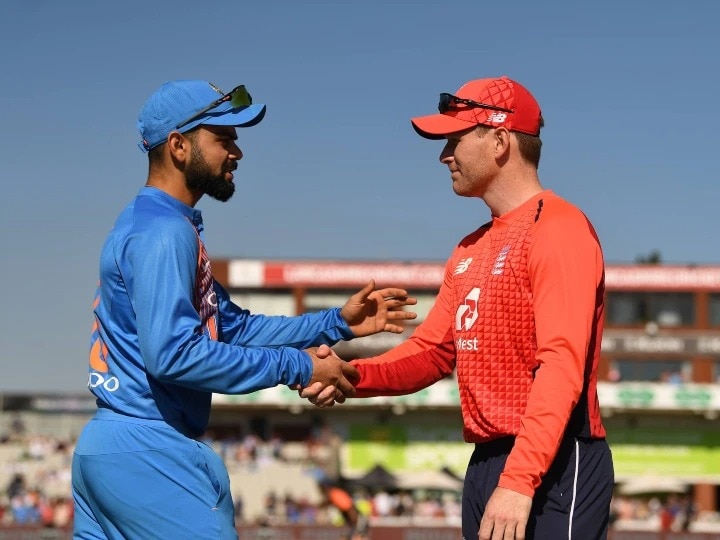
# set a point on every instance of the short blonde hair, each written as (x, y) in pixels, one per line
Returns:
(530, 146)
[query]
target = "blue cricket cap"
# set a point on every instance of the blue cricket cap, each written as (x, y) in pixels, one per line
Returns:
(175, 101)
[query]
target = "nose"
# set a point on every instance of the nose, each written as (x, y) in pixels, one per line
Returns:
(235, 152)
(446, 153)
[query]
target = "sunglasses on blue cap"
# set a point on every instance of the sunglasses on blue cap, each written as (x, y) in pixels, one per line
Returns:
(238, 97)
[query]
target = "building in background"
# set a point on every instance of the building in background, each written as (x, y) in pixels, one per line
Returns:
(659, 386)
(659, 389)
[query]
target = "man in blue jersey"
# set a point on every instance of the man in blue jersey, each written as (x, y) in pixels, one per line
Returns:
(166, 335)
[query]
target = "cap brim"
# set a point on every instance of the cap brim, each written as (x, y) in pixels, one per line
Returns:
(246, 117)
(437, 126)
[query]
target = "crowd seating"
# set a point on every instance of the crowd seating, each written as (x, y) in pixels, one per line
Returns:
(275, 482)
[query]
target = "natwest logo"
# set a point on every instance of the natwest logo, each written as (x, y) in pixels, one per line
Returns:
(467, 312)
(466, 344)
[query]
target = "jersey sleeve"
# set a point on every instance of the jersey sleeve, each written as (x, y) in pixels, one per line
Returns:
(160, 278)
(240, 327)
(566, 268)
(340, 499)
(427, 356)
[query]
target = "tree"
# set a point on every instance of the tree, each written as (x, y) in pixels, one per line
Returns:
(654, 257)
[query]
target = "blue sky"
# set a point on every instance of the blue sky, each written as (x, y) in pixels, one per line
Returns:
(628, 88)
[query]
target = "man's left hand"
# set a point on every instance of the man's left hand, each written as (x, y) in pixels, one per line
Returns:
(506, 516)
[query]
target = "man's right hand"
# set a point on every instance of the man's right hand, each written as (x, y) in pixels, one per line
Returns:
(332, 378)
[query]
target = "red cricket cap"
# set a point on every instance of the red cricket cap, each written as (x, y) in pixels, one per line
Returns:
(525, 115)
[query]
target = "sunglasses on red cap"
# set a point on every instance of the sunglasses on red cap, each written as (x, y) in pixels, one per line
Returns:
(238, 97)
(448, 100)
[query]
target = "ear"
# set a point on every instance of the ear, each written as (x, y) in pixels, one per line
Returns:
(179, 146)
(502, 142)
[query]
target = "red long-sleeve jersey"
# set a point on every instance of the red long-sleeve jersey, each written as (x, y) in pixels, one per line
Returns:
(520, 315)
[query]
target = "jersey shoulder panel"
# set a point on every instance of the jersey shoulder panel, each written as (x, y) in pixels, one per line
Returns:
(557, 216)
(149, 224)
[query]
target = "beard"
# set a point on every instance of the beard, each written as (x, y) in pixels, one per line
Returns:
(200, 177)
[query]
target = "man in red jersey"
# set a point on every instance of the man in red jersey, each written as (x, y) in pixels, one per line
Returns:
(519, 315)
(339, 498)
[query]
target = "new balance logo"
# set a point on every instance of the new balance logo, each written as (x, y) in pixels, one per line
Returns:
(467, 312)
(497, 117)
(463, 266)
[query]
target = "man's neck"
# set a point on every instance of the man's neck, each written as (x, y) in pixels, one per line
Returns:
(511, 191)
(173, 183)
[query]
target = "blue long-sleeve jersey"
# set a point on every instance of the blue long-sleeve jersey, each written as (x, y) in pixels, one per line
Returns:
(166, 335)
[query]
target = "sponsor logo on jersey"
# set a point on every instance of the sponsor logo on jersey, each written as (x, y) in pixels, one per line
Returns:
(462, 266)
(466, 344)
(108, 382)
(99, 369)
(467, 312)
(499, 265)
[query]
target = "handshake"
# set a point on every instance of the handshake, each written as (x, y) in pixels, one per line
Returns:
(332, 378)
(367, 312)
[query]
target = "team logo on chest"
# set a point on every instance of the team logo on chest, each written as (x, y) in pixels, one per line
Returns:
(499, 265)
